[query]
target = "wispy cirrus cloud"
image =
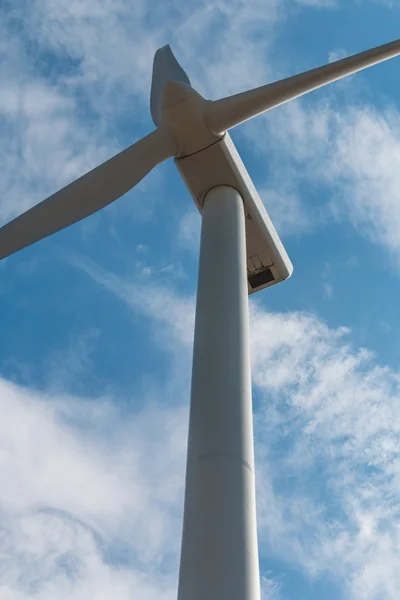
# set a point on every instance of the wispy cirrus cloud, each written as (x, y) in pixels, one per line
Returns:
(326, 427)
(44, 141)
(352, 153)
(329, 418)
(174, 312)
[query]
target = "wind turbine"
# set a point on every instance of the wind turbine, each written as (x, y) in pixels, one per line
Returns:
(240, 253)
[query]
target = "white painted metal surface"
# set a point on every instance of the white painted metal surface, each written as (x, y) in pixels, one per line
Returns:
(219, 546)
(220, 164)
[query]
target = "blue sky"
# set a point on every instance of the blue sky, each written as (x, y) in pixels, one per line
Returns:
(97, 321)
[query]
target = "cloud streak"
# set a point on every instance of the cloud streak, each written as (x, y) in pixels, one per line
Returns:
(329, 420)
(326, 427)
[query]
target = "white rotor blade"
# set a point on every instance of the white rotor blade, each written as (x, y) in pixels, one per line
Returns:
(228, 112)
(165, 68)
(88, 194)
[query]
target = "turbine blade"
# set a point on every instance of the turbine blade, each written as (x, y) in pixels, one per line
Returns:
(233, 110)
(86, 195)
(165, 68)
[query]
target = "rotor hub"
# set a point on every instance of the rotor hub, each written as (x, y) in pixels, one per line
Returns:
(183, 116)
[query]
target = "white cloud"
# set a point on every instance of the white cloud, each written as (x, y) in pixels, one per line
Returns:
(189, 230)
(329, 421)
(286, 209)
(390, 3)
(318, 3)
(328, 290)
(352, 154)
(81, 478)
(270, 589)
(163, 305)
(367, 160)
(337, 55)
(44, 142)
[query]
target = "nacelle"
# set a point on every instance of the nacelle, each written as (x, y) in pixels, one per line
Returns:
(220, 164)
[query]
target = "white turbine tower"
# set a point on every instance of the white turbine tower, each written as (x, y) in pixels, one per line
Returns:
(240, 253)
